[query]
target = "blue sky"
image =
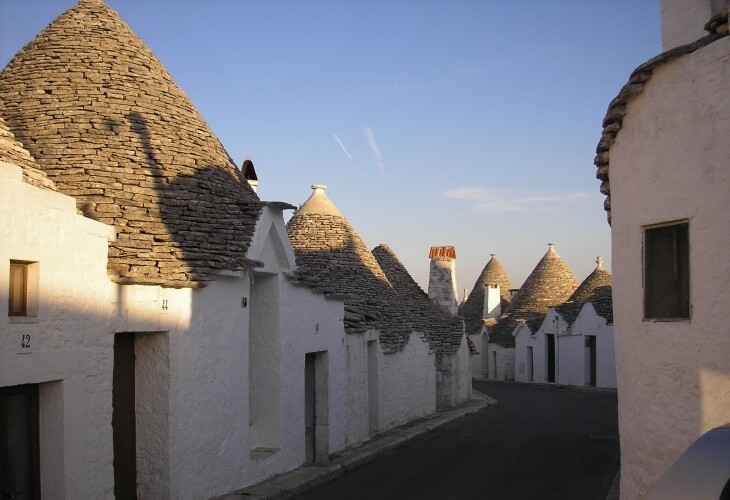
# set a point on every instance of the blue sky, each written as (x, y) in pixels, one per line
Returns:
(467, 123)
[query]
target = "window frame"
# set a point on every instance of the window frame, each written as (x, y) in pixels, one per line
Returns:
(29, 290)
(680, 255)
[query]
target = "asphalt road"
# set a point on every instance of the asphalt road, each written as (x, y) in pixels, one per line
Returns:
(538, 442)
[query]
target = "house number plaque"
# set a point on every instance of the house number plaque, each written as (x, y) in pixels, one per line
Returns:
(25, 343)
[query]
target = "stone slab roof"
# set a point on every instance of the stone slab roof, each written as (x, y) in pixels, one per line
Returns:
(107, 123)
(443, 331)
(12, 151)
(333, 259)
(472, 309)
(613, 121)
(500, 329)
(550, 284)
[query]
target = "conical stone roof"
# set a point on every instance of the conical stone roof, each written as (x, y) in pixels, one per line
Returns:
(473, 309)
(596, 289)
(334, 259)
(12, 151)
(443, 331)
(107, 123)
(549, 284)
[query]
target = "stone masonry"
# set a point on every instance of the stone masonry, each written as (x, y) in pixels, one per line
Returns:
(108, 125)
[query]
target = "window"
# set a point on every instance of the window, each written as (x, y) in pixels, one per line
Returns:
(23, 289)
(666, 271)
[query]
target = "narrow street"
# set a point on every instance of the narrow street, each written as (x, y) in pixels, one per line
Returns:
(537, 442)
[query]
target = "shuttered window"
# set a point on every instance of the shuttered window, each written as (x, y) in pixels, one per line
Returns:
(666, 271)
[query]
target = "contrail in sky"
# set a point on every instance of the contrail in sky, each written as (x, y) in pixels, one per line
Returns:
(347, 153)
(378, 157)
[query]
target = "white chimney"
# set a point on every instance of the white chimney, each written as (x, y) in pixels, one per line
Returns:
(492, 302)
(442, 278)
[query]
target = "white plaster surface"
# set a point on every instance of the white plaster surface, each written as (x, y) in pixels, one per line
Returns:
(571, 363)
(683, 21)
(504, 369)
(670, 162)
(194, 438)
(479, 368)
(43, 226)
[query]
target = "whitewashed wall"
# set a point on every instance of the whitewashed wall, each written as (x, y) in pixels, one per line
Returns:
(73, 365)
(670, 162)
(524, 339)
(590, 323)
(453, 377)
(571, 362)
(504, 369)
(479, 361)
(407, 383)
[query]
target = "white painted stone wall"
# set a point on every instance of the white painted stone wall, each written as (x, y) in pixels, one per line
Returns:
(191, 367)
(670, 162)
(504, 368)
(479, 368)
(524, 339)
(571, 362)
(72, 365)
(407, 383)
(588, 323)
(683, 21)
(453, 377)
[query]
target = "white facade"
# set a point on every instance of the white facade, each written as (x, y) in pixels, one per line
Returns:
(669, 163)
(571, 352)
(219, 373)
(479, 360)
(531, 354)
(500, 362)
(72, 368)
(193, 376)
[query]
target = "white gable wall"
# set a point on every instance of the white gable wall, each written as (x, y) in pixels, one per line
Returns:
(590, 323)
(669, 162)
(501, 362)
(479, 368)
(71, 364)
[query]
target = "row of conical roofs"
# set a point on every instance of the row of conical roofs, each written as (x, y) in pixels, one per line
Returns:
(550, 284)
(104, 120)
(378, 291)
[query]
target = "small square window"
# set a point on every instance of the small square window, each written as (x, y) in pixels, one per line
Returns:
(666, 271)
(23, 289)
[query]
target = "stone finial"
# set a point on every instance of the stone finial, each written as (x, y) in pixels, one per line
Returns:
(551, 246)
(599, 261)
(319, 203)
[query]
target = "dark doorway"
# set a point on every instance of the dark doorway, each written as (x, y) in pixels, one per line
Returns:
(310, 406)
(19, 443)
(591, 348)
(550, 357)
(123, 418)
(530, 364)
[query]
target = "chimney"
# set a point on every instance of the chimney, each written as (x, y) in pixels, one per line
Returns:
(249, 173)
(442, 278)
(492, 302)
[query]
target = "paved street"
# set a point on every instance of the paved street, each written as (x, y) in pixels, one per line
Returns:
(537, 442)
